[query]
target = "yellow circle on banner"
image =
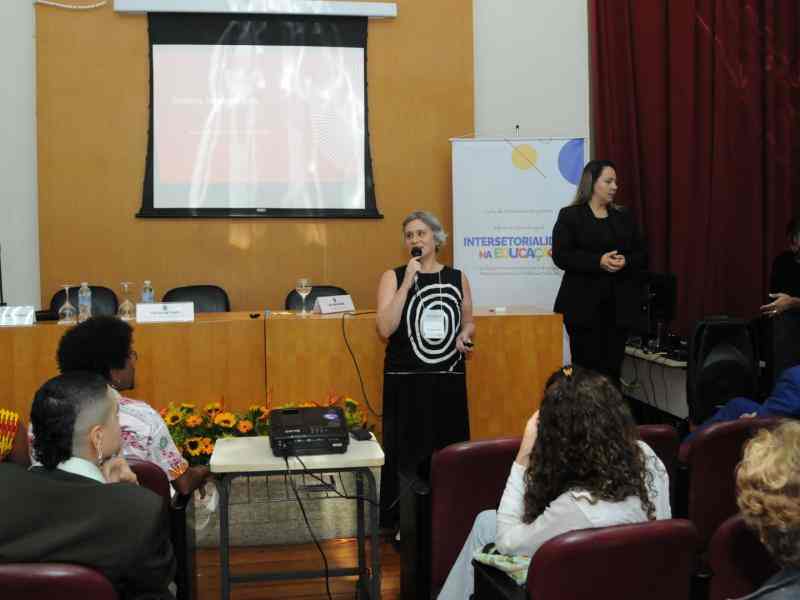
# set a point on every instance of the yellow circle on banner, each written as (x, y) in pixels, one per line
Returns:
(524, 157)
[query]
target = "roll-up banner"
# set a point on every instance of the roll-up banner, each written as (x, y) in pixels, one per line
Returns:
(506, 196)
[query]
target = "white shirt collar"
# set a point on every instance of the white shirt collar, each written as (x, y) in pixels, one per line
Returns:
(82, 467)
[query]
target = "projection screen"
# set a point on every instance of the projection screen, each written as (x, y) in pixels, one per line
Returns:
(261, 116)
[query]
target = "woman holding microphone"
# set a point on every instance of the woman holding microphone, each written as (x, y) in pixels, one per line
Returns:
(425, 312)
(597, 245)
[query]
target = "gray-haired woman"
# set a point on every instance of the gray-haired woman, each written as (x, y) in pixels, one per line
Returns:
(425, 312)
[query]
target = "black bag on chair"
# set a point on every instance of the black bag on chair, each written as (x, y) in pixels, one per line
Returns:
(723, 364)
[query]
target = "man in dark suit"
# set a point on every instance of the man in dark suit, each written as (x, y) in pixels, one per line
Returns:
(597, 244)
(81, 505)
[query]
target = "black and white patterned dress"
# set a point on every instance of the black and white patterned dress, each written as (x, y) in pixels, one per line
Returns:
(424, 383)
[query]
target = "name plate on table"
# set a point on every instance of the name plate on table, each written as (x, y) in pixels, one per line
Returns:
(17, 315)
(165, 312)
(327, 305)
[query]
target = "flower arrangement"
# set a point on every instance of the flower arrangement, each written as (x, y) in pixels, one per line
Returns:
(195, 431)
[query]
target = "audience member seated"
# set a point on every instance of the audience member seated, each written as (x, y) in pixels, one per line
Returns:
(768, 481)
(784, 279)
(104, 345)
(62, 511)
(784, 401)
(13, 442)
(579, 466)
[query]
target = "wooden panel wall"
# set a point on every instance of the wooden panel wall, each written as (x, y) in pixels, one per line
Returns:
(513, 357)
(236, 359)
(93, 83)
(218, 358)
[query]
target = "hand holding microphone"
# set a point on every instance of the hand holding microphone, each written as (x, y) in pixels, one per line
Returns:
(414, 266)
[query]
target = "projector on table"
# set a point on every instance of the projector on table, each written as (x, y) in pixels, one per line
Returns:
(308, 430)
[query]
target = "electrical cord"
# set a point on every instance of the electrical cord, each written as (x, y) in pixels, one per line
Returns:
(629, 384)
(346, 496)
(400, 494)
(333, 489)
(653, 385)
(355, 361)
(308, 525)
(638, 381)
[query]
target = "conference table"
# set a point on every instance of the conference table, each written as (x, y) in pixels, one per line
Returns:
(246, 358)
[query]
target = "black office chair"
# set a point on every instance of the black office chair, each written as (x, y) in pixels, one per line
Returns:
(104, 302)
(206, 298)
(295, 302)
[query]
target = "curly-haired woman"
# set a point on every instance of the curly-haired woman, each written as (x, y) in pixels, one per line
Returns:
(580, 465)
(768, 480)
(104, 345)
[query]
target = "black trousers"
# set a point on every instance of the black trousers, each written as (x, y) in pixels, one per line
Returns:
(422, 413)
(599, 346)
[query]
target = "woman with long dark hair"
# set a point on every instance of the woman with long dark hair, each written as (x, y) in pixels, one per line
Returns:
(597, 244)
(580, 465)
(104, 345)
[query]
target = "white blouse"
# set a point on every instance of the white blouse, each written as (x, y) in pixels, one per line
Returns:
(572, 510)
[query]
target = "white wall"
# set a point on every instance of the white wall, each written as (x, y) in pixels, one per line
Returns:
(19, 229)
(531, 68)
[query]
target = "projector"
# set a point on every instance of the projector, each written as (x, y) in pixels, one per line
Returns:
(307, 431)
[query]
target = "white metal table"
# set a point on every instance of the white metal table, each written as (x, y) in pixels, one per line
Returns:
(666, 378)
(252, 456)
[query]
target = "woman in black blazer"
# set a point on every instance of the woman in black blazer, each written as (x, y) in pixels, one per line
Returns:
(597, 244)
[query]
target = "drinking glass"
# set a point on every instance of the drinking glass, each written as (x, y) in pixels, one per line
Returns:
(127, 311)
(303, 287)
(67, 315)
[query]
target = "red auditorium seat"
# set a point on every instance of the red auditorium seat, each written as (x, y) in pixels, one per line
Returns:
(740, 563)
(652, 560)
(45, 581)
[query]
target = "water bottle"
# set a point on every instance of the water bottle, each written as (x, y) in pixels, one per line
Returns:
(84, 302)
(148, 295)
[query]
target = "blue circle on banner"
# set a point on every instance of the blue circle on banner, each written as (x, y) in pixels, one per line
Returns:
(570, 160)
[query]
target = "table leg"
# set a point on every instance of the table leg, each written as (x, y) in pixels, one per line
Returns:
(375, 549)
(362, 559)
(223, 487)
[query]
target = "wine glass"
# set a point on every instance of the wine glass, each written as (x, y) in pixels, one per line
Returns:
(303, 287)
(127, 311)
(67, 315)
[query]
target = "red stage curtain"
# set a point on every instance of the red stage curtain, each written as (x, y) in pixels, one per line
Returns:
(698, 103)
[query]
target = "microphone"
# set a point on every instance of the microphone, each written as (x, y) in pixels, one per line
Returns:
(416, 252)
